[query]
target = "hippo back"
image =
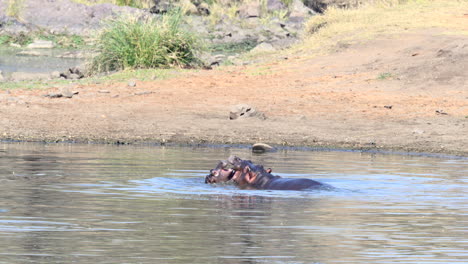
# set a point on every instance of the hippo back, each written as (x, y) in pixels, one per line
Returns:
(292, 184)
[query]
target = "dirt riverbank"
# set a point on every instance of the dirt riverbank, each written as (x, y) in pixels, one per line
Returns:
(407, 93)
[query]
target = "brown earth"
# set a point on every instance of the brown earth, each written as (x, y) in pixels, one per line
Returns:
(403, 93)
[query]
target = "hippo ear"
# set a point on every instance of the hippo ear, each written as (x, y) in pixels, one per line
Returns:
(221, 165)
(269, 170)
(251, 177)
(235, 161)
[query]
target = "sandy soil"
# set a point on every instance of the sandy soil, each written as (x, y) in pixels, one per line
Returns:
(419, 103)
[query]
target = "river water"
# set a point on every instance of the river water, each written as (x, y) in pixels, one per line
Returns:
(145, 204)
(46, 63)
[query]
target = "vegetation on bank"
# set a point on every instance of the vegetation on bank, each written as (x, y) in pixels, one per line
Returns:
(121, 76)
(14, 8)
(129, 43)
(132, 3)
(341, 27)
(60, 40)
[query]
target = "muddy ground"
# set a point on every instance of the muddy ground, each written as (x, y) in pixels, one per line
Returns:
(404, 93)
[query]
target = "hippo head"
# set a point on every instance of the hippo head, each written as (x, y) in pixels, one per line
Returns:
(220, 173)
(247, 174)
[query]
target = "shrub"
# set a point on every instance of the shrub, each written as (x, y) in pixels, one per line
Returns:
(154, 43)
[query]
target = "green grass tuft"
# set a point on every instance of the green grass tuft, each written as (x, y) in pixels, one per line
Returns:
(129, 43)
(385, 76)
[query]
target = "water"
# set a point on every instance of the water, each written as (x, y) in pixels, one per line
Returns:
(124, 204)
(10, 62)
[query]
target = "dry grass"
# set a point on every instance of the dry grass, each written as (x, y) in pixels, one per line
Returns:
(14, 8)
(383, 17)
(134, 3)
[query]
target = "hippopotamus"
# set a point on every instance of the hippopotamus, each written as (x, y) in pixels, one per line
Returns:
(250, 176)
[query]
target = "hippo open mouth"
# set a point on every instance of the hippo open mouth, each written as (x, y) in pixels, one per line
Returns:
(221, 175)
(248, 175)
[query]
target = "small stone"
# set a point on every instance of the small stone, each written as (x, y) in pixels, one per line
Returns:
(301, 118)
(245, 111)
(32, 53)
(131, 83)
(73, 76)
(53, 95)
(67, 93)
(41, 44)
(248, 10)
(103, 91)
(262, 147)
(143, 93)
(263, 47)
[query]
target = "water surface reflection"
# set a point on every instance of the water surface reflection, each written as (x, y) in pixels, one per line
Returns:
(109, 204)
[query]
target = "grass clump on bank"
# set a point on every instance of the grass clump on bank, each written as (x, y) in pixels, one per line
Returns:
(384, 17)
(132, 3)
(14, 8)
(160, 42)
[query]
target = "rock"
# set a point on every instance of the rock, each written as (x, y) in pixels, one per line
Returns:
(104, 91)
(53, 95)
(245, 111)
(262, 147)
(64, 92)
(41, 44)
(275, 5)
(67, 93)
(2, 79)
(12, 26)
(73, 73)
(320, 6)
(263, 47)
(64, 16)
(15, 45)
(441, 112)
(248, 10)
(73, 76)
(188, 7)
(160, 7)
(55, 75)
(203, 9)
(301, 118)
(143, 93)
(72, 55)
(131, 83)
(32, 53)
(299, 10)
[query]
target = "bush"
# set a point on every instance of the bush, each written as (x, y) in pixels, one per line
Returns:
(158, 42)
